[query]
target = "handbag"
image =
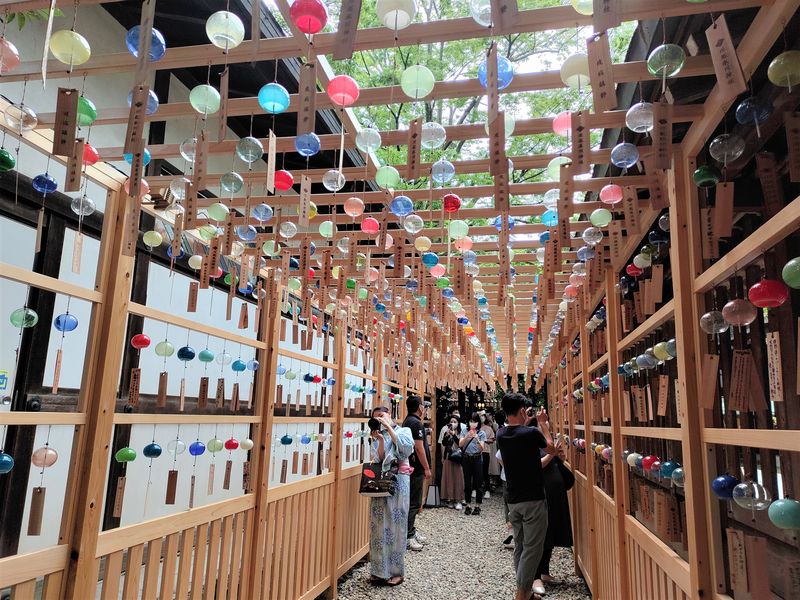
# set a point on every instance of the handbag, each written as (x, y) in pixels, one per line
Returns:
(375, 482)
(566, 474)
(455, 454)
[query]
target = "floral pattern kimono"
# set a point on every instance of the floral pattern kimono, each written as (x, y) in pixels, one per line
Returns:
(388, 521)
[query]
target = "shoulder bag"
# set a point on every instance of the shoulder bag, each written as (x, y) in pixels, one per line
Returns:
(375, 482)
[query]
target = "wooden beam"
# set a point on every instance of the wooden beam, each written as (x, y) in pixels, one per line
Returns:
(528, 21)
(632, 72)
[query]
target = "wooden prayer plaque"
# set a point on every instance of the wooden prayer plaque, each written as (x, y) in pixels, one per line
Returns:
(133, 388)
(307, 98)
(730, 79)
(191, 304)
(226, 480)
(413, 155)
(737, 559)
(211, 471)
(723, 210)
(223, 105)
(66, 121)
(235, 397)
(119, 497)
(172, 487)
(604, 95)
(708, 383)
(161, 399)
(220, 396)
(202, 394)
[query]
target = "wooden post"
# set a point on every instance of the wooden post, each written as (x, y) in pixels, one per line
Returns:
(620, 467)
(99, 403)
(335, 533)
(255, 553)
(588, 418)
(686, 265)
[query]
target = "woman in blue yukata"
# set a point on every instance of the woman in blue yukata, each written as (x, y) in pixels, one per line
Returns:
(391, 446)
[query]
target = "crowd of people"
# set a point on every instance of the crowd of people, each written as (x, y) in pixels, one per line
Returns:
(512, 449)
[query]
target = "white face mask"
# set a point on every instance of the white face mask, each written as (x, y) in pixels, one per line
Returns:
(473, 424)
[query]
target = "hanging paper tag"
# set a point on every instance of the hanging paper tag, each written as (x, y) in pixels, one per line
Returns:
(57, 371)
(77, 252)
(730, 79)
(284, 469)
(708, 383)
(774, 369)
(36, 511)
(413, 153)
(723, 210)
(161, 399)
(202, 394)
(223, 105)
(182, 396)
(46, 46)
(74, 167)
(604, 95)
(305, 201)
(307, 98)
(662, 136)
(739, 387)
(66, 120)
(133, 388)
(119, 497)
(271, 156)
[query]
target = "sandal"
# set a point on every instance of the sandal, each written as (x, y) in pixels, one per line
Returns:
(376, 580)
(394, 581)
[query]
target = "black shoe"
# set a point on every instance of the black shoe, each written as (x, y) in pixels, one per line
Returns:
(509, 541)
(468, 510)
(477, 510)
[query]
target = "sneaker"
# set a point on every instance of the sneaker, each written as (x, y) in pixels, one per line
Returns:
(486, 494)
(468, 510)
(414, 545)
(509, 542)
(420, 538)
(458, 506)
(477, 511)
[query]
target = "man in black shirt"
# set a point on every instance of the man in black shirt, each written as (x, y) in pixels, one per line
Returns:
(420, 459)
(519, 446)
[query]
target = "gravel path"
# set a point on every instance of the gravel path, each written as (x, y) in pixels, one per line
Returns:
(445, 570)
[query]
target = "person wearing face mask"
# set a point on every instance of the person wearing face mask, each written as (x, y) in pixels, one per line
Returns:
(453, 412)
(391, 446)
(452, 486)
(471, 443)
(488, 449)
(520, 446)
